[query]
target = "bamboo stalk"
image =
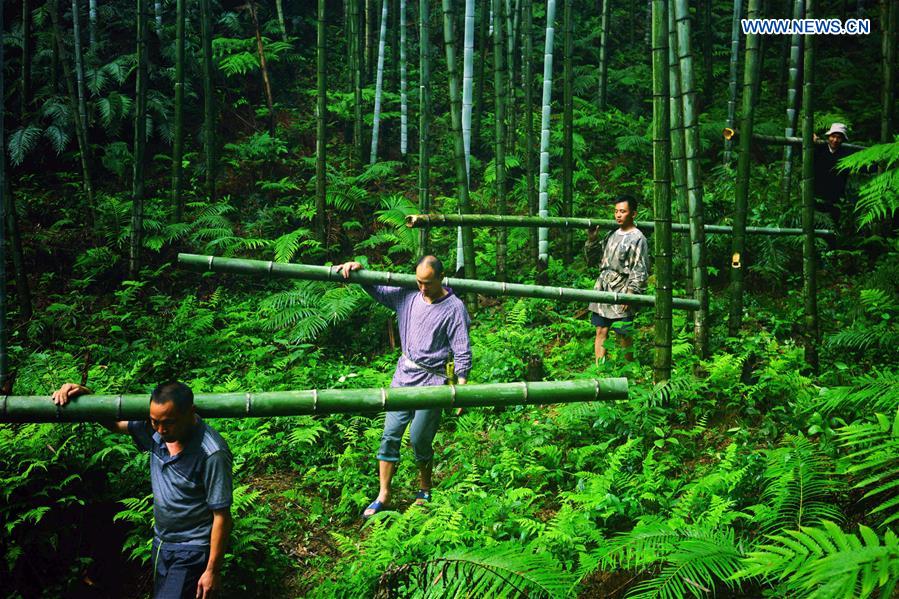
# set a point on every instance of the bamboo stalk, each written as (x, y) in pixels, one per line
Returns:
(543, 197)
(792, 105)
(279, 7)
(890, 21)
(694, 177)
(465, 242)
(467, 83)
(678, 151)
(529, 121)
(500, 91)
(321, 132)
(27, 49)
(178, 142)
(208, 97)
(263, 67)
(744, 164)
(732, 86)
(604, 53)
(356, 30)
(379, 84)
(404, 108)
(424, 117)
(425, 221)
(140, 144)
(332, 274)
(661, 174)
(777, 140)
(4, 358)
(92, 408)
(567, 124)
(809, 257)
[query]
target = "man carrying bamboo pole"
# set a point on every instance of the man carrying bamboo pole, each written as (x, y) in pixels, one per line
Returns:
(433, 326)
(830, 180)
(622, 257)
(190, 470)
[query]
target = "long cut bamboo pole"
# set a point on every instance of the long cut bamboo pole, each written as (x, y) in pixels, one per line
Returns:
(661, 174)
(777, 140)
(425, 221)
(786, 177)
(282, 270)
(744, 165)
(678, 151)
(809, 257)
(694, 177)
(732, 86)
(379, 84)
(424, 117)
(543, 198)
(93, 408)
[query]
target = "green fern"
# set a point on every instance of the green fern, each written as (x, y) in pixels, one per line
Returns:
(502, 570)
(825, 562)
(877, 392)
(21, 142)
(875, 458)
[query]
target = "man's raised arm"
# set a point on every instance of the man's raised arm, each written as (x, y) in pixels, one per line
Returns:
(70, 391)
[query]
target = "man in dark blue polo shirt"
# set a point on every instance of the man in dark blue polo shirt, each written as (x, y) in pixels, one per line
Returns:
(190, 470)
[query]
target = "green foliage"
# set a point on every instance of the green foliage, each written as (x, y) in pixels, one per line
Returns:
(879, 196)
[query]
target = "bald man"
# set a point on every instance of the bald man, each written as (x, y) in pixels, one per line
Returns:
(433, 325)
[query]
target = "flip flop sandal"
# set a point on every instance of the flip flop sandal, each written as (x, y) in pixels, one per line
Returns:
(422, 497)
(376, 506)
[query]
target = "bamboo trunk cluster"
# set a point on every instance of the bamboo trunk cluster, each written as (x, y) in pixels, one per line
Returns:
(108, 408)
(425, 221)
(661, 174)
(744, 165)
(332, 274)
(809, 257)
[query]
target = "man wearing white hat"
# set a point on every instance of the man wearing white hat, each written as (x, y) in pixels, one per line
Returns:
(830, 181)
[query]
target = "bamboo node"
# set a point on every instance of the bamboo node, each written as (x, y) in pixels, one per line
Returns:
(452, 394)
(271, 265)
(5, 402)
(209, 265)
(249, 399)
(383, 398)
(118, 407)
(315, 400)
(525, 390)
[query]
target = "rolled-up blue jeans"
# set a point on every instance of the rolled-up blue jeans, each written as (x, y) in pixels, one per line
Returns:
(421, 434)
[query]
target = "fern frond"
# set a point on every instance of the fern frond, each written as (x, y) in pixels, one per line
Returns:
(21, 142)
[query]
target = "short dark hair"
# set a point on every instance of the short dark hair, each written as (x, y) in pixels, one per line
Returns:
(631, 201)
(432, 262)
(176, 392)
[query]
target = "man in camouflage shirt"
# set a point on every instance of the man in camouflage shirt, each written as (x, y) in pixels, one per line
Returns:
(622, 256)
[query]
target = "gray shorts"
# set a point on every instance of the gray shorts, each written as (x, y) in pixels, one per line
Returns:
(421, 434)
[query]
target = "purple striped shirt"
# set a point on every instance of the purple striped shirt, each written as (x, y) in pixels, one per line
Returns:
(429, 334)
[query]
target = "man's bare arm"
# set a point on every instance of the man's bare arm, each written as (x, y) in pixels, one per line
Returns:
(210, 582)
(70, 391)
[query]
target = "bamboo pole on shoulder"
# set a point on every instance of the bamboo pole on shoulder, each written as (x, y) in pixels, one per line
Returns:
(661, 173)
(426, 221)
(261, 268)
(809, 257)
(110, 408)
(778, 140)
(744, 165)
